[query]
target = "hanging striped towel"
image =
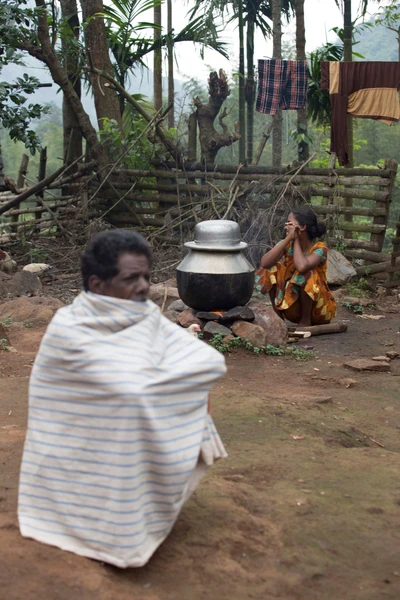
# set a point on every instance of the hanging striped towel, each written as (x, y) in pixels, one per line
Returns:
(118, 430)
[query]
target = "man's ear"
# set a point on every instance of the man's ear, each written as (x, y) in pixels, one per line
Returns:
(96, 285)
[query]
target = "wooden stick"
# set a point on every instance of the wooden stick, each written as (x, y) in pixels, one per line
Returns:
(322, 329)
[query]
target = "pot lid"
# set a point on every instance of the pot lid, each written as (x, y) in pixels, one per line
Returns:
(219, 235)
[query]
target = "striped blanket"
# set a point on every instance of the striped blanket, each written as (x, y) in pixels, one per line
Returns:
(118, 430)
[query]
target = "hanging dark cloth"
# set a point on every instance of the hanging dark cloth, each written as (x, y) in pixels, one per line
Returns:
(362, 89)
(281, 84)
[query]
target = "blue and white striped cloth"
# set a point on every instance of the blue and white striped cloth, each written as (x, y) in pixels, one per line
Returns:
(118, 430)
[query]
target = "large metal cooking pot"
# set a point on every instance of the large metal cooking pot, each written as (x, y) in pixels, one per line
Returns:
(215, 275)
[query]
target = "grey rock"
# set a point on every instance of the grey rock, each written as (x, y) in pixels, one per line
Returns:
(238, 313)
(339, 270)
(271, 323)
(22, 283)
(208, 316)
(366, 364)
(211, 328)
(188, 318)
(250, 332)
(178, 305)
(172, 315)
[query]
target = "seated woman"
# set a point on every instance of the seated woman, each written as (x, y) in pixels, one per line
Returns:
(294, 272)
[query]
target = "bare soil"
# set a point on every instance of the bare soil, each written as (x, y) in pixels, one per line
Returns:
(302, 519)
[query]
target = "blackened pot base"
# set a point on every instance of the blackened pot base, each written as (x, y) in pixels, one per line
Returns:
(208, 292)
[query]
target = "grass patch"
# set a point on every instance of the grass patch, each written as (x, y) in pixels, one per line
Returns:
(217, 342)
(6, 322)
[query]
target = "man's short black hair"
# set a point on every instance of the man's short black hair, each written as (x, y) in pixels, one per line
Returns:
(101, 255)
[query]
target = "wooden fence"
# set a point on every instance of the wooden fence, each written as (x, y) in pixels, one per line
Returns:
(354, 202)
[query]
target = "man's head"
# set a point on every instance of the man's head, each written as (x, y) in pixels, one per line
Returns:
(117, 263)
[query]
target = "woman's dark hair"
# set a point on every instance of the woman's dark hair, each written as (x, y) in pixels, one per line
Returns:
(306, 216)
(101, 255)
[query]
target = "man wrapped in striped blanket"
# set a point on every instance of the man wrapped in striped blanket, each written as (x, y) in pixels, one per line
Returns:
(118, 431)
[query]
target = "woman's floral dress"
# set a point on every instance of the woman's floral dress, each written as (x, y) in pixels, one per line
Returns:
(288, 281)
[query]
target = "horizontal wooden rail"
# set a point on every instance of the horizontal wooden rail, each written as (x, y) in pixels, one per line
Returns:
(335, 210)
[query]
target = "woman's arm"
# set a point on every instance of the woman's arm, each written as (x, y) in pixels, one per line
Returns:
(271, 258)
(304, 263)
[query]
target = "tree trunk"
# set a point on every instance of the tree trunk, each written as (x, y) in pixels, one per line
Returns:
(105, 98)
(303, 150)
(50, 57)
(72, 132)
(348, 56)
(171, 87)
(210, 140)
(250, 88)
(277, 53)
(242, 98)
(157, 69)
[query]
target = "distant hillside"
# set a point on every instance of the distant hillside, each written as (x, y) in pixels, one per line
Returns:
(377, 43)
(142, 83)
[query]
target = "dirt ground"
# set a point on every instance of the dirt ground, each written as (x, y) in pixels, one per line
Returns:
(312, 518)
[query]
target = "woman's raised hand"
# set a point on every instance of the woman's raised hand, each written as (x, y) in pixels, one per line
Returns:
(292, 230)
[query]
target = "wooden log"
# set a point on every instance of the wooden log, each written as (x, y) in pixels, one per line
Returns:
(209, 185)
(391, 284)
(381, 267)
(322, 329)
(37, 209)
(362, 211)
(131, 220)
(167, 198)
(244, 176)
(23, 170)
(350, 193)
(41, 176)
(196, 166)
(366, 254)
(300, 334)
(354, 244)
(35, 188)
(379, 238)
(362, 228)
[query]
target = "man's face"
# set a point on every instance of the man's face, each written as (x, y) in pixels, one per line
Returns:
(132, 281)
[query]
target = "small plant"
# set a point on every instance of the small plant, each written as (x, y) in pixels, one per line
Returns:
(3, 344)
(38, 255)
(357, 309)
(358, 289)
(217, 342)
(274, 350)
(299, 353)
(27, 324)
(6, 322)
